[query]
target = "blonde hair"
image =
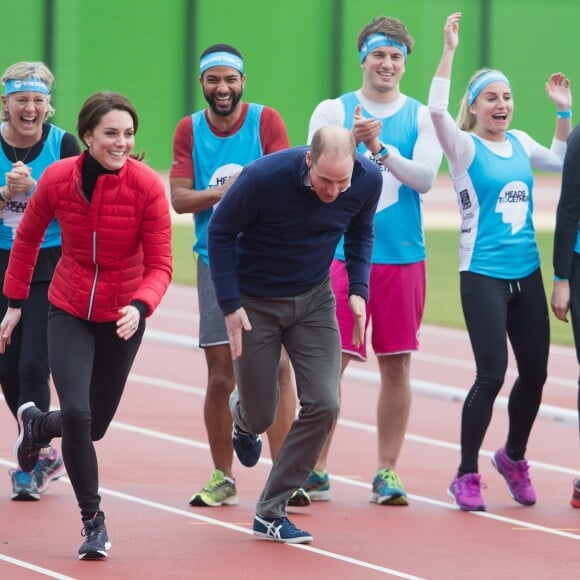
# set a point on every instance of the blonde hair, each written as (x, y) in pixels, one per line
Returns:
(466, 120)
(23, 70)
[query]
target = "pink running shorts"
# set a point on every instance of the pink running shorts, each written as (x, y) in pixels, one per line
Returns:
(395, 307)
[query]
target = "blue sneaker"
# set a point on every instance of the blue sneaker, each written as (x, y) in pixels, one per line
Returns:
(317, 485)
(280, 530)
(247, 446)
(23, 486)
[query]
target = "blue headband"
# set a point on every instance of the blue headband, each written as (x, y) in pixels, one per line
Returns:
(375, 40)
(30, 84)
(221, 59)
(476, 86)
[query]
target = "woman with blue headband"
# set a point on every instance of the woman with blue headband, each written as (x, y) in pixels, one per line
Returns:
(29, 143)
(502, 292)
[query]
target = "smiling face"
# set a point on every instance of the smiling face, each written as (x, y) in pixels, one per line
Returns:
(382, 69)
(493, 110)
(223, 88)
(27, 111)
(112, 140)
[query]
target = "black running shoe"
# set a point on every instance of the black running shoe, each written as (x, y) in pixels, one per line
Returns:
(27, 449)
(96, 541)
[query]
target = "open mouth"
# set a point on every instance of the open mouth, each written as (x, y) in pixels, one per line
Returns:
(224, 101)
(28, 121)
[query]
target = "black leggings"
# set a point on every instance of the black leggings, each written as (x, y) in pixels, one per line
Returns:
(24, 370)
(495, 310)
(90, 365)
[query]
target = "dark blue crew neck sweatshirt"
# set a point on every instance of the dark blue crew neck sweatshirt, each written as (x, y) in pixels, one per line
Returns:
(271, 236)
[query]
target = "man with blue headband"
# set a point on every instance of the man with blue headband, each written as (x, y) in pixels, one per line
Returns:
(396, 132)
(210, 148)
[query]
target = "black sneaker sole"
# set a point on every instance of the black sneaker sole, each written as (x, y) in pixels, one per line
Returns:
(96, 554)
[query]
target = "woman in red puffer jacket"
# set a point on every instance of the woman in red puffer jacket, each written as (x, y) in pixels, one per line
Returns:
(115, 269)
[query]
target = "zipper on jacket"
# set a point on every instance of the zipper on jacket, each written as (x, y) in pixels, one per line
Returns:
(94, 284)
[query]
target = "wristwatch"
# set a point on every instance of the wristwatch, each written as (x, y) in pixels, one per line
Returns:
(382, 153)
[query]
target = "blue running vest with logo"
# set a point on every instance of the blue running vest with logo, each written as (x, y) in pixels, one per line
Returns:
(12, 212)
(496, 205)
(216, 159)
(398, 222)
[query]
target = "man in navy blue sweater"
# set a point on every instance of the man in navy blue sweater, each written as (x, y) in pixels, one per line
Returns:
(271, 241)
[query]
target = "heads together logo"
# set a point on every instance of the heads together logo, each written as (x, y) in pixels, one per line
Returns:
(391, 185)
(223, 174)
(513, 204)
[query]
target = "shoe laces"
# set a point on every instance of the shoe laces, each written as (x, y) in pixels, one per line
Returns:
(93, 529)
(21, 477)
(215, 481)
(520, 475)
(470, 485)
(389, 477)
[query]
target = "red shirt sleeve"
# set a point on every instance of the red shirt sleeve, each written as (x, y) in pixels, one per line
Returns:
(273, 136)
(273, 132)
(182, 163)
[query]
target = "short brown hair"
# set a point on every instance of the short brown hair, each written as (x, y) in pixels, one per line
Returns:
(391, 27)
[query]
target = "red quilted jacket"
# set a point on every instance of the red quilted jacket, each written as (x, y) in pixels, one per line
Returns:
(115, 249)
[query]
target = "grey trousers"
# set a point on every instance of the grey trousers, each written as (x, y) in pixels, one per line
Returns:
(306, 325)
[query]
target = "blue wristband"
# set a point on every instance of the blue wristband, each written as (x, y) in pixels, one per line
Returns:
(558, 279)
(564, 114)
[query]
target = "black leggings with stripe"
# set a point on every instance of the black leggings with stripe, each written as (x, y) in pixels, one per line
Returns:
(90, 365)
(496, 310)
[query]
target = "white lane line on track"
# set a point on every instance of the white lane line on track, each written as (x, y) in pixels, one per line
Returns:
(213, 521)
(265, 461)
(423, 387)
(201, 518)
(428, 388)
(159, 435)
(34, 568)
(192, 342)
(550, 412)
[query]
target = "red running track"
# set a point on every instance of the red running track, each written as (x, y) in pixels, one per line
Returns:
(156, 455)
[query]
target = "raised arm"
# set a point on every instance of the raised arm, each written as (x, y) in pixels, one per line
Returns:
(558, 90)
(456, 144)
(450, 42)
